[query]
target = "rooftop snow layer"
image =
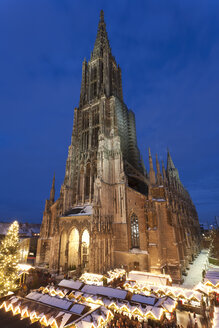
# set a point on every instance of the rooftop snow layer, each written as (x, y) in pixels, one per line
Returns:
(50, 300)
(70, 284)
(105, 291)
(80, 210)
(143, 299)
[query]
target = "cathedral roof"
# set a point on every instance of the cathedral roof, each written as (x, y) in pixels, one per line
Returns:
(80, 210)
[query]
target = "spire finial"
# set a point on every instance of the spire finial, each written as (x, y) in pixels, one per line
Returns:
(52, 192)
(101, 15)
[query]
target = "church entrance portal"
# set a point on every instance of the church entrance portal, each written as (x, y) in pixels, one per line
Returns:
(63, 251)
(73, 248)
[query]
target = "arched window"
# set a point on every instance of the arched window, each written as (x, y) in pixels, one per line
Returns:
(85, 248)
(73, 248)
(134, 231)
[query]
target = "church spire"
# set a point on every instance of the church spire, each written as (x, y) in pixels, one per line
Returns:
(52, 191)
(172, 171)
(151, 171)
(100, 75)
(101, 39)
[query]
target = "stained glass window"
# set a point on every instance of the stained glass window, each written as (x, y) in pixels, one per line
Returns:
(134, 231)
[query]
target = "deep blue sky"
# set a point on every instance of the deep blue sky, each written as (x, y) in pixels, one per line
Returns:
(169, 55)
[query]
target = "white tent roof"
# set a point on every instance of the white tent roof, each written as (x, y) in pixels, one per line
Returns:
(70, 284)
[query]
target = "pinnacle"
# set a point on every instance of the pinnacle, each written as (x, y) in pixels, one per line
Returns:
(52, 192)
(157, 163)
(101, 16)
(170, 164)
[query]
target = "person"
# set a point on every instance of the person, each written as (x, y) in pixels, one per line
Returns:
(144, 324)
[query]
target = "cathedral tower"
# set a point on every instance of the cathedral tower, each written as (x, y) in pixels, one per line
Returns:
(101, 117)
(110, 213)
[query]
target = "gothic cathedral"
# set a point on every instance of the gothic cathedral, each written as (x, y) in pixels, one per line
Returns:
(111, 212)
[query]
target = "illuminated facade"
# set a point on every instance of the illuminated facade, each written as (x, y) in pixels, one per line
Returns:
(110, 212)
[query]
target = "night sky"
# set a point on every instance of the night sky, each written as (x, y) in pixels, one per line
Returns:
(169, 55)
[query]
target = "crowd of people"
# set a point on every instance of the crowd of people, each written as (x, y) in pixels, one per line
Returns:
(122, 321)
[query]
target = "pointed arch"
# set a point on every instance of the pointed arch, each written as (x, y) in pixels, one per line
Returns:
(63, 245)
(85, 243)
(73, 248)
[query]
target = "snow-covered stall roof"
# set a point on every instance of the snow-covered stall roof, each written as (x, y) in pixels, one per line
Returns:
(212, 277)
(50, 300)
(92, 278)
(167, 303)
(77, 308)
(71, 284)
(149, 278)
(104, 291)
(99, 316)
(47, 314)
(143, 299)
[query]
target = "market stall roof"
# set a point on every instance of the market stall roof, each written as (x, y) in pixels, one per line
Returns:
(105, 291)
(94, 318)
(212, 277)
(9, 320)
(44, 313)
(71, 284)
(92, 278)
(149, 278)
(50, 300)
(143, 299)
(79, 308)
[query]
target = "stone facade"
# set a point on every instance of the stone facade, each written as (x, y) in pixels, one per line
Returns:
(110, 212)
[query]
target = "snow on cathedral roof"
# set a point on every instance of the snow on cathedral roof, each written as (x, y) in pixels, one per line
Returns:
(80, 210)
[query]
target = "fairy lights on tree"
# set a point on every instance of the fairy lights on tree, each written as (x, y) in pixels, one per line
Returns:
(9, 260)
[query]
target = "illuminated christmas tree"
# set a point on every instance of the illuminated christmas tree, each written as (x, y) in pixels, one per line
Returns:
(9, 260)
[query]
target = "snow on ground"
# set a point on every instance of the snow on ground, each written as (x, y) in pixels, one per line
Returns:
(195, 270)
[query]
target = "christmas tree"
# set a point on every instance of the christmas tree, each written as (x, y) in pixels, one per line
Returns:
(9, 260)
